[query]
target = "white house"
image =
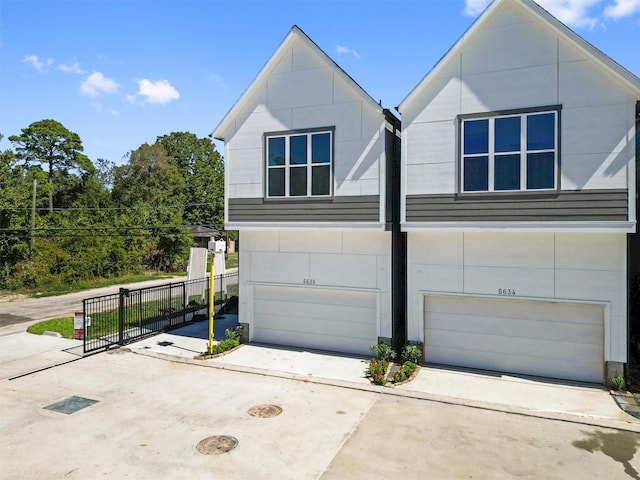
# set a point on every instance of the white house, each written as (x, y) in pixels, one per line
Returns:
(518, 192)
(306, 157)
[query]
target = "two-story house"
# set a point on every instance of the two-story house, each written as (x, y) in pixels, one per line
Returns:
(518, 167)
(515, 194)
(307, 184)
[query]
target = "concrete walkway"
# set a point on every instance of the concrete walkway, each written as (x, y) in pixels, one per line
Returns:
(580, 403)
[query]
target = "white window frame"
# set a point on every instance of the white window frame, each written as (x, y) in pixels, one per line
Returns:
(309, 165)
(491, 154)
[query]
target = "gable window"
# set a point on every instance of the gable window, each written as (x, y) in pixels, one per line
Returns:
(299, 163)
(512, 151)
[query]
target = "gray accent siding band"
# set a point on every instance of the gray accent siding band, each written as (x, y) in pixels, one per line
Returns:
(579, 205)
(338, 209)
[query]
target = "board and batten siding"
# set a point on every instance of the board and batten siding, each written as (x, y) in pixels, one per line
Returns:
(589, 205)
(339, 209)
(333, 260)
(573, 268)
(515, 61)
(302, 91)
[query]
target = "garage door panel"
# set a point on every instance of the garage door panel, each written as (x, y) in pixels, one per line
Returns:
(338, 320)
(505, 345)
(587, 372)
(334, 343)
(294, 323)
(514, 327)
(527, 337)
(318, 312)
(570, 313)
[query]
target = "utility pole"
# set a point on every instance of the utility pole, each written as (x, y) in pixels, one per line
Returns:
(33, 217)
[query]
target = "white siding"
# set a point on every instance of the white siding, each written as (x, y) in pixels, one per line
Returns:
(516, 61)
(358, 263)
(564, 267)
(302, 91)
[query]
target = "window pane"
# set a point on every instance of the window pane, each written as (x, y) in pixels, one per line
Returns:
(298, 150)
(476, 174)
(298, 181)
(321, 148)
(276, 151)
(541, 131)
(507, 172)
(540, 170)
(476, 136)
(320, 180)
(507, 134)
(276, 182)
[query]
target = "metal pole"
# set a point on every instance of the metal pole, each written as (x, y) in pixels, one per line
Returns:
(211, 299)
(33, 217)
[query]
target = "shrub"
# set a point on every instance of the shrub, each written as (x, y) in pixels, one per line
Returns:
(404, 372)
(383, 351)
(617, 382)
(412, 353)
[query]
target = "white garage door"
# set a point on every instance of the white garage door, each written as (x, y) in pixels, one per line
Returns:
(533, 338)
(336, 320)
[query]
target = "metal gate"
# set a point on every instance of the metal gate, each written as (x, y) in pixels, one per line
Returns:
(120, 318)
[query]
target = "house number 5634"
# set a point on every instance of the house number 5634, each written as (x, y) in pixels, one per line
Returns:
(308, 281)
(506, 291)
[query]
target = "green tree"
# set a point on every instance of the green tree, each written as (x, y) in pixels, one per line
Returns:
(203, 170)
(48, 142)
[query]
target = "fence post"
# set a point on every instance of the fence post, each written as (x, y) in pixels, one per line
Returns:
(84, 325)
(122, 293)
(184, 302)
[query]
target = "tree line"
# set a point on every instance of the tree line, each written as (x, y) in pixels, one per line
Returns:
(65, 218)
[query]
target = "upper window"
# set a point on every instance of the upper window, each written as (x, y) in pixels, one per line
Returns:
(299, 164)
(510, 152)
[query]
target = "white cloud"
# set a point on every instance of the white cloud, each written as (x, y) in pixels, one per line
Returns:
(218, 79)
(622, 8)
(342, 50)
(36, 63)
(75, 68)
(475, 7)
(160, 91)
(97, 84)
(575, 13)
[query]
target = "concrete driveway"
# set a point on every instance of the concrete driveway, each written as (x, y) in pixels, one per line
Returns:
(150, 414)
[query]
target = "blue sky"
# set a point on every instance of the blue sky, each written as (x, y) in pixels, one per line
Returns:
(122, 72)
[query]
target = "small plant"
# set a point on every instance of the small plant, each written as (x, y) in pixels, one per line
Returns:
(404, 372)
(617, 382)
(234, 333)
(383, 351)
(377, 371)
(412, 353)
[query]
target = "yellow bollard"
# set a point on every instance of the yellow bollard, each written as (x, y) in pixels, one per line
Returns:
(211, 299)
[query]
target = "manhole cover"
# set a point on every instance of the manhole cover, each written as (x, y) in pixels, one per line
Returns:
(217, 445)
(265, 411)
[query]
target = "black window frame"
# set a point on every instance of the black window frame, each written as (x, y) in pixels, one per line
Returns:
(524, 151)
(288, 166)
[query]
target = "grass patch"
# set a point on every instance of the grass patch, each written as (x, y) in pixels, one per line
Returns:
(232, 260)
(64, 326)
(61, 289)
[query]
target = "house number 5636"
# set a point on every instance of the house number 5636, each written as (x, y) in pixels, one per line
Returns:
(506, 291)
(308, 281)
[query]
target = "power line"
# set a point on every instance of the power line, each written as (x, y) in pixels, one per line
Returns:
(142, 207)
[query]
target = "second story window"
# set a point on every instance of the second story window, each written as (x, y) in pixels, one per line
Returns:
(299, 164)
(510, 152)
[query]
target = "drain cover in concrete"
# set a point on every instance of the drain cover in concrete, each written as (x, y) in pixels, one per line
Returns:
(265, 411)
(71, 405)
(217, 445)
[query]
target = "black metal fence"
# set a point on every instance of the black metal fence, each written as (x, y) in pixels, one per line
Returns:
(120, 318)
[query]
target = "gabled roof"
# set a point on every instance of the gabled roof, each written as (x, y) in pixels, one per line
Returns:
(294, 34)
(588, 49)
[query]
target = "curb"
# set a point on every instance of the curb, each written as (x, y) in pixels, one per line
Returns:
(629, 426)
